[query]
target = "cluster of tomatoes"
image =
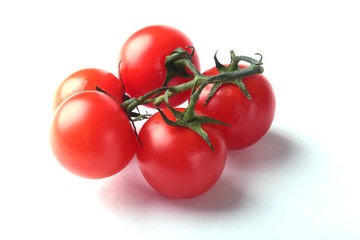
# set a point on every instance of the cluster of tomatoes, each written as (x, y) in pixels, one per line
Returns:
(92, 136)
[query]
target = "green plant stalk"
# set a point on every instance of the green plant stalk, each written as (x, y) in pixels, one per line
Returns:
(198, 80)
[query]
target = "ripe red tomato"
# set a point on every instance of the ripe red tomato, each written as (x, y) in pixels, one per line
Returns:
(88, 79)
(176, 161)
(249, 120)
(142, 57)
(91, 136)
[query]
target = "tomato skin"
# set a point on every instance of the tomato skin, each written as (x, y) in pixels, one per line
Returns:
(176, 161)
(91, 136)
(142, 57)
(249, 120)
(88, 79)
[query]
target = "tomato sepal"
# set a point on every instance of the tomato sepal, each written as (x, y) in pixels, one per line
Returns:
(177, 68)
(192, 121)
(233, 66)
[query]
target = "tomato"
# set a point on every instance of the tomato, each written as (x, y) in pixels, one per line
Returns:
(249, 120)
(176, 161)
(91, 136)
(88, 79)
(142, 57)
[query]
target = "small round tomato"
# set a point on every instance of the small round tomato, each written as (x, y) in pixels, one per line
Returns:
(142, 57)
(249, 119)
(88, 79)
(176, 161)
(91, 135)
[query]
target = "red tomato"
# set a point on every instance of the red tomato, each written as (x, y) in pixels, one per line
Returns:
(249, 120)
(176, 161)
(142, 57)
(88, 79)
(91, 135)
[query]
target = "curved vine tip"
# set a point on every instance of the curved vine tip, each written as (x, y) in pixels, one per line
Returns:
(192, 52)
(261, 57)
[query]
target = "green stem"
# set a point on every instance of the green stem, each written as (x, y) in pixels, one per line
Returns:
(198, 80)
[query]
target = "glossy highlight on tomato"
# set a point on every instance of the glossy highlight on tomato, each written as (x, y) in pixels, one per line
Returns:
(91, 135)
(176, 161)
(249, 120)
(88, 79)
(142, 61)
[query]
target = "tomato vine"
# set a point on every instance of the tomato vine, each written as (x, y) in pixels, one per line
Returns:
(177, 64)
(181, 151)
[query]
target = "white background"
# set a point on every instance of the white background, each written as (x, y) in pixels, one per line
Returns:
(301, 181)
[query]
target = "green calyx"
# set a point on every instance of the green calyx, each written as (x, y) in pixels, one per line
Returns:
(176, 63)
(189, 119)
(233, 66)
